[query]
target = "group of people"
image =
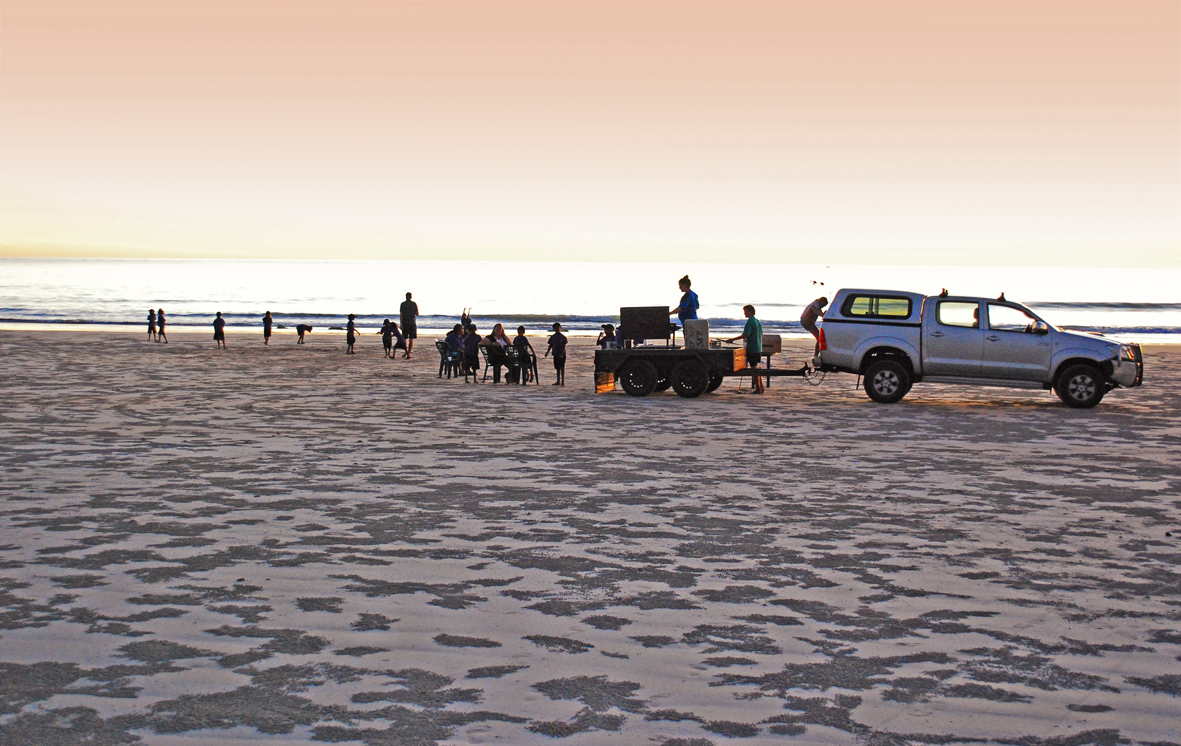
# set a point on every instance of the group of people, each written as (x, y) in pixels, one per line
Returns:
(464, 341)
(156, 324)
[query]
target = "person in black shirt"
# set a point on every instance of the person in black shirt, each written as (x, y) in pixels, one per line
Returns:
(151, 325)
(350, 334)
(302, 329)
(266, 328)
(471, 352)
(219, 331)
(387, 338)
(557, 345)
(160, 335)
(409, 317)
(525, 354)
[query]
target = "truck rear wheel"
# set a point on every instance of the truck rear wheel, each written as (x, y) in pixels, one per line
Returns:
(1081, 386)
(715, 380)
(887, 381)
(638, 378)
(690, 379)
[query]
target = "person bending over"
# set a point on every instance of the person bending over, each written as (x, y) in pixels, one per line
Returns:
(815, 310)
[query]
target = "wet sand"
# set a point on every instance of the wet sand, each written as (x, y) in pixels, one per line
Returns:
(291, 545)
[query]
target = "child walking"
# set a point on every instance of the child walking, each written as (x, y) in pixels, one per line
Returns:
(557, 345)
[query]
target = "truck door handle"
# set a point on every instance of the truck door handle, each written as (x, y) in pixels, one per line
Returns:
(936, 334)
(993, 338)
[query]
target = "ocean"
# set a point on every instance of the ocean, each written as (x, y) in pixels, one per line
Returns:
(1129, 304)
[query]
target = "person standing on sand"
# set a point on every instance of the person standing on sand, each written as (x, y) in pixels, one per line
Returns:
(525, 354)
(387, 338)
(471, 353)
(557, 345)
(301, 330)
(409, 313)
(350, 334)
(219, 331)
(266, 328)
(160, 335)
(752, 334)
(151, 325)
(815, 310)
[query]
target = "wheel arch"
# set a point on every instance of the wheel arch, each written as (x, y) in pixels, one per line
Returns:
(1067, 358)
(873, 350)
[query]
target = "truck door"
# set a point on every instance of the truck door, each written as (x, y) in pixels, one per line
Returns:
(953, 341)
(1016, 346)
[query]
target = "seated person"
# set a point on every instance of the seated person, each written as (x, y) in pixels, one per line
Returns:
(606, 338)
(496, 342)
(454, 339)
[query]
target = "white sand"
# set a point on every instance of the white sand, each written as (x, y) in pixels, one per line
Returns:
(285, 543)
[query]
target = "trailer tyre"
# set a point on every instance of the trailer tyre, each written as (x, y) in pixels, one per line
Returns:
(690, 379)
(638, 378)
(715, 381)
(1081, 386)
(886, 381)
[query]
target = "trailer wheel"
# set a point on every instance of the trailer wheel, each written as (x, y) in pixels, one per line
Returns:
(1080, 386)
(715, 381)
(638, 378)
(690, 379)
(886, 381)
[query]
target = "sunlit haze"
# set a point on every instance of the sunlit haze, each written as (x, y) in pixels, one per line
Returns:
(883, 132)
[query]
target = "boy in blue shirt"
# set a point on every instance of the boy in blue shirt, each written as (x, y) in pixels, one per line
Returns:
(752, 334)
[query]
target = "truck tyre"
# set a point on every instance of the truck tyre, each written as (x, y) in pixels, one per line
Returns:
(690, 379)
(715, 381)
(1081, 386)
(887, 381)
(638, 378)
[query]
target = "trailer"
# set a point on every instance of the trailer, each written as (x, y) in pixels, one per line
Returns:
(641, 366)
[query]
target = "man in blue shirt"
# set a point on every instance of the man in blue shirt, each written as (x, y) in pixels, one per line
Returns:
(689, 302)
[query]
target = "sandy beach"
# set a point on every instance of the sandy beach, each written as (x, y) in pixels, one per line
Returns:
(286, 544)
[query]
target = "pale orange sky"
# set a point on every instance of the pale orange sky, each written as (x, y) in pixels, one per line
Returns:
(869, 132)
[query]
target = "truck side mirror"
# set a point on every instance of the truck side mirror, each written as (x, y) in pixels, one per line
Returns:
(1040, 327)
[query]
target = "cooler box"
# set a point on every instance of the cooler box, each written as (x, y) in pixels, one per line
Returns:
(696, 333)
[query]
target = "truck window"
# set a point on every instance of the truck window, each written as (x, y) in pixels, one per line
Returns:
(958, 313)
(877, 306)
(1009, 319)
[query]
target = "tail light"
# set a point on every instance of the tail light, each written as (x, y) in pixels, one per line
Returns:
(823, 344)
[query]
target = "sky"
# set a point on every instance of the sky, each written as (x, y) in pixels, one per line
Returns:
(880, 132)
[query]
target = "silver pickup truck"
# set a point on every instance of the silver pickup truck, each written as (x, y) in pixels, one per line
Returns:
(895, 339)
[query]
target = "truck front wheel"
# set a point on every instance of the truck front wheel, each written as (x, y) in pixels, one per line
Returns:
(638, 378)
(1081, 386)
(886, 381)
